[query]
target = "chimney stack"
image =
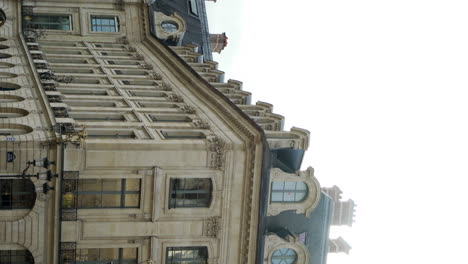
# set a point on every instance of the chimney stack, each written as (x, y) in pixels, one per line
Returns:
(218, 42)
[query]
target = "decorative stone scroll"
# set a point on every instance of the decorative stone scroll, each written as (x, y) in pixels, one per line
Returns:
(198, 123)
(174, 98)
(155, 76)
(137, 57)
(216, 152)
(187, 109)
(166, 86)
(212, 227)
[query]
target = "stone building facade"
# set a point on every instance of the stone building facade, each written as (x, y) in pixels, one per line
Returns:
(117, 148)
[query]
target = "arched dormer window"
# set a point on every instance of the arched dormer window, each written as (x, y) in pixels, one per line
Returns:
(16, 256)
(284, 256)
(16, 194)
(288, 192)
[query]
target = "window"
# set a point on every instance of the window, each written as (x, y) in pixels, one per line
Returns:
(288, 192)
(16, 194)
(111, 134)
(183, 135)
(104, 24)
(170, 118)
(106, 255)
(16, 257)
(190, 192)
(52, 22)
(183, 255)
(108, 193)
(193, 7)
(284, 256)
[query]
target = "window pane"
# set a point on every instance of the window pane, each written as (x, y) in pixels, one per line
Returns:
(89, 201)
(132, 200)
(129, 253)
(277, 197)
(132, 184)
(111, 185)
(277, 186)
(90, 185)
(290, 186)
(109, 254)
(111, 200)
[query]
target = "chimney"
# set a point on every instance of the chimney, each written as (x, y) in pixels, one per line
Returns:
(218, 42)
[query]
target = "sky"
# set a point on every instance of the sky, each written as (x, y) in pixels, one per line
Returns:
(382, 87)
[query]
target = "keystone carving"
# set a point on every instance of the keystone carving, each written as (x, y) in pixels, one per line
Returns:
(216, 152)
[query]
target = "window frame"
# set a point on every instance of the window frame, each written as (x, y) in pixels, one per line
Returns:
(198, 202)
(70, 21)
(106, 261)
(117, 24)
(202, 250)
(122, 192)
(283, 191)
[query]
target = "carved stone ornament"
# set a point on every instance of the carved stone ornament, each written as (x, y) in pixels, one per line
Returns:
(174, 98)
(216, 152)
(200, 124)
(131, 49)
(137, 57)
(154, 76)
(187, 109)
(42, 197)
(122, 40)
(166, 86)
(145, 65)
(212, 227)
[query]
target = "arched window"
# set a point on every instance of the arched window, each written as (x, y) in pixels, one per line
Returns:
(190, 192)
(16, 257)
(16, 194)
(288, 192)
(284, 256)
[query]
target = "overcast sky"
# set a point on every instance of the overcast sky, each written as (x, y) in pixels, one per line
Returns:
(382, 87)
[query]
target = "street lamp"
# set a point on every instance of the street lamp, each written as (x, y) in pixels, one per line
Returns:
(44, 163)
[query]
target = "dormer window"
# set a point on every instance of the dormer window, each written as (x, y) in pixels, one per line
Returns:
(288, 192)
(193, 7)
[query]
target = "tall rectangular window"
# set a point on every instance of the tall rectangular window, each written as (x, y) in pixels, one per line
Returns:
(52, 22)
(108, 193)
(104, 24)
(183, 255)
(190, 192)
(106, 255)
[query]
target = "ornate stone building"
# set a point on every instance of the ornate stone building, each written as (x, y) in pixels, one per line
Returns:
(120, 142)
